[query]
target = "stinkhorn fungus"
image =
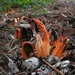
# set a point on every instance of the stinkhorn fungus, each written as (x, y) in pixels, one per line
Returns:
(18, 34)
(42, 47)
(60, 44)
(27, 49)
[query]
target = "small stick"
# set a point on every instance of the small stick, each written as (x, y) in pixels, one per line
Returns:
(53, 67)
(13, 48)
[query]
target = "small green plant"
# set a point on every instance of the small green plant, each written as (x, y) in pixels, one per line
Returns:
(8, 4)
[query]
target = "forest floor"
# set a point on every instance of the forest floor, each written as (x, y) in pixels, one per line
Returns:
(59, 16)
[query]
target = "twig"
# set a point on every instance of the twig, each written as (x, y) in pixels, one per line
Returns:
(12, 42)
(59, 72)
(13, 48)
(7, 45)
(71, 14)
